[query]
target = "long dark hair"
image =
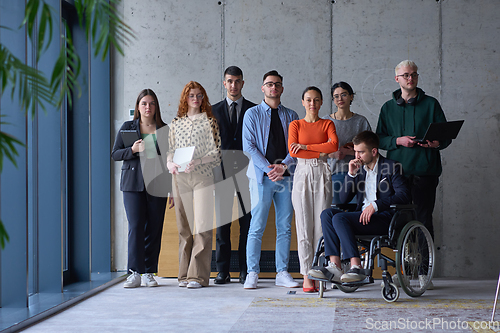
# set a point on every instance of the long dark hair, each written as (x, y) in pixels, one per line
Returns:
(157, 115)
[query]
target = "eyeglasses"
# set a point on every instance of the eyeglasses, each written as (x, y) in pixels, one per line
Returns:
(406, 76)
(271, 84)
(343, 95)
(199, 96)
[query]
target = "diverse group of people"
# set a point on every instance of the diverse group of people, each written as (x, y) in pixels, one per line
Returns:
(264, 154)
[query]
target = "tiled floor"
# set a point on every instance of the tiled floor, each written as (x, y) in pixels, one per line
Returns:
(453, 306)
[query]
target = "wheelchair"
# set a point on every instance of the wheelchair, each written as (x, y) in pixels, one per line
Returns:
(414, 256)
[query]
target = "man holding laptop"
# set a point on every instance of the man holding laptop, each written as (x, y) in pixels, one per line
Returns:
(402, 121)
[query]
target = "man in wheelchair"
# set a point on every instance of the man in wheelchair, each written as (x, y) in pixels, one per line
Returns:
(378, 183)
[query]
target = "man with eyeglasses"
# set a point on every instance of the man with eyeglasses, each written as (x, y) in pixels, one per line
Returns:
(265, 135)
(402, 119)
(229, 114)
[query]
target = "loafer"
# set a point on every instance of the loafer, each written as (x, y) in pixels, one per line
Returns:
(243, 277)
(222, 278)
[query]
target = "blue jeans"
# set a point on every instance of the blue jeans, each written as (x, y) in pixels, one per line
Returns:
(261, 196)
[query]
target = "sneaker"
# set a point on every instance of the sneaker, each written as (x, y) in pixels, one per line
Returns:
(353, 275)
(133, 280)
(284, 279)
(193, 285)
(251, 280)
(183, 283)
(423, 279)
(148, 280)
(332, 268)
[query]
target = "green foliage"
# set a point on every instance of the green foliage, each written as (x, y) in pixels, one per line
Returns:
(104, 28)
(4, 237)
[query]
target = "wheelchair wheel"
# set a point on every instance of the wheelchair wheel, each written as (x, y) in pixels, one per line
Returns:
(415, 259)
(391, 294)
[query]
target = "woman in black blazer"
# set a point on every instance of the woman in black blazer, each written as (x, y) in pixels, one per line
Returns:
(145, 183)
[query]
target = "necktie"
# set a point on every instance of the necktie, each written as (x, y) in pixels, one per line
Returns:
(234, 117)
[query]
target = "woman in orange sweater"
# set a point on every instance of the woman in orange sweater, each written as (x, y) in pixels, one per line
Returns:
(310, 140)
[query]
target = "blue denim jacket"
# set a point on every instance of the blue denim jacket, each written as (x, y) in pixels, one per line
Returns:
(256, 125)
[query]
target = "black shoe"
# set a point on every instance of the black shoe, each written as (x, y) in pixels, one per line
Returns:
(243, 277)
(222, 278)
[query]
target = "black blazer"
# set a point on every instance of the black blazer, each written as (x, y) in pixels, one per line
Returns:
(392, 186)
(233, 158)
(131, 176)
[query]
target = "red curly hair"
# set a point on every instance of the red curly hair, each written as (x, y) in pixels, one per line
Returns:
(205, 103)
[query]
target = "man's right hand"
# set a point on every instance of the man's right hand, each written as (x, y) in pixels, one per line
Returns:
(406, 141)
(354, 166)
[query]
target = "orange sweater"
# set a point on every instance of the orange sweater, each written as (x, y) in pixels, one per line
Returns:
(315, 136)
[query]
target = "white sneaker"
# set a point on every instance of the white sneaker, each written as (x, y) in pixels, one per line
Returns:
(183, 283)
(332, 268)
(193, 285)
(133, 280)
(251, 280)
(148, 280)
(423, 279)
(284, 279)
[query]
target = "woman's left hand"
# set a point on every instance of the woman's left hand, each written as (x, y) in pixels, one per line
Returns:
(295, 147)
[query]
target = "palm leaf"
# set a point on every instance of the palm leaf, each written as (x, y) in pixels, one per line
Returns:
(4, 237)
(103, 25)
(30, 84)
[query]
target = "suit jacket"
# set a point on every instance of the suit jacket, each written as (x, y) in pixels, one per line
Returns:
(233, 158)
(132, 176)
(392, 186)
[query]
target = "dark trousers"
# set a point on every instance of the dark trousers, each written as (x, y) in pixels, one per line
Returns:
(423, 192)
(340, 228)
(145, 214)
(224, 198)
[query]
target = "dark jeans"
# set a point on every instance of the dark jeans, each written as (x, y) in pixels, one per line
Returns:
(340, 228)
(423, 192)
(145, 214)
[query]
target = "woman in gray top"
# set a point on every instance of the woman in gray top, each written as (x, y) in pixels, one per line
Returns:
(347, 125)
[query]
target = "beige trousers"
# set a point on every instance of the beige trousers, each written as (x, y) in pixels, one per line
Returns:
(311, 194)
(194, 210)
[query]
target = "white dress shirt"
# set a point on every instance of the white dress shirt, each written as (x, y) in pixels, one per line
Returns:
(370, 195)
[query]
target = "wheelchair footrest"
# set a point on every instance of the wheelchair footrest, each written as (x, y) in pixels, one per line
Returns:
(317, 279)
(367, 280)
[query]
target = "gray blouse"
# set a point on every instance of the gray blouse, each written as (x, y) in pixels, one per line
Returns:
(346, 131)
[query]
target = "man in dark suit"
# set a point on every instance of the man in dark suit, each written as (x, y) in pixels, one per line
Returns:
(230, 175)
(380, 184)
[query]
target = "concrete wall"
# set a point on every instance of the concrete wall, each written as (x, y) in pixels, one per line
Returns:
(321, 42)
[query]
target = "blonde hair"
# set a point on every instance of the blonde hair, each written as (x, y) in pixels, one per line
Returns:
(406, 63)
